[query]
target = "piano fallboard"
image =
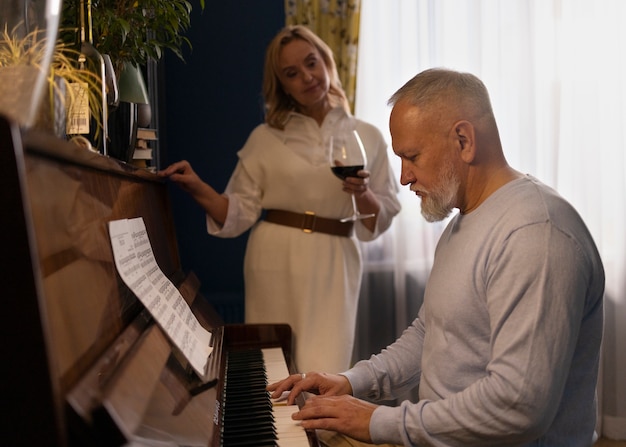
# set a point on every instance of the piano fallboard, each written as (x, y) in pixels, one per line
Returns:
(85, 363)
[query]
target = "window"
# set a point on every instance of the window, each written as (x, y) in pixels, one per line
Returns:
(556, 72)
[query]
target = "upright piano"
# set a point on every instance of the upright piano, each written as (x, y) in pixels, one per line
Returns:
(83, 361)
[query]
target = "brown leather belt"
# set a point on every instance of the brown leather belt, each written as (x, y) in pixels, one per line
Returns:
(309, 222)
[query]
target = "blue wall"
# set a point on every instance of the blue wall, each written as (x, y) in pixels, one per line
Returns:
(210, 103)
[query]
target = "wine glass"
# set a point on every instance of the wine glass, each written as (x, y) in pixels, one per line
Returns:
(347, 157)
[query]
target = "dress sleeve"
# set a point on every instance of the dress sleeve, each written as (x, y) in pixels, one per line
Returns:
(243, 192)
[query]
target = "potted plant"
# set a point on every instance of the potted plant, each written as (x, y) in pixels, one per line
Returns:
(27, 33)
(21, 61)
(132, 33)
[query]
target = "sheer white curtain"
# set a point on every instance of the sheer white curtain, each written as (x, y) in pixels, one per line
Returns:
(556, 71)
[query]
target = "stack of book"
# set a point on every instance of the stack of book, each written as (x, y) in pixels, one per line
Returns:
(142, 157)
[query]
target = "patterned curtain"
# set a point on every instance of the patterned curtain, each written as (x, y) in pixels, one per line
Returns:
(337, 23)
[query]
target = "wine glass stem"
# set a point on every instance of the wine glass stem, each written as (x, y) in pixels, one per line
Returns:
(354, 208)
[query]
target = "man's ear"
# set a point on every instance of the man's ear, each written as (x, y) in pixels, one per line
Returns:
(465, 136)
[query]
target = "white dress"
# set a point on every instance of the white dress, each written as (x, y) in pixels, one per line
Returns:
(309, 280)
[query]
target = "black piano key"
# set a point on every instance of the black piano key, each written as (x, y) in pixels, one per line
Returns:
(247, 416)
(243, 430)
(248, 410)
(250, 442)
(258, 416)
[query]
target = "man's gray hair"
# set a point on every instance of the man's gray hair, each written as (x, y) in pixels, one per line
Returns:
(443, 88)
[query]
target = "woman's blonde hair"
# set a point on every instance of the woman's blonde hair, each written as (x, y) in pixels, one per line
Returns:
(277, 103)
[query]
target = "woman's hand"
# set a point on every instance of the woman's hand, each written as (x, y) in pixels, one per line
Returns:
(357, 185)
(184, 176)
(366, 200)
(215, 204)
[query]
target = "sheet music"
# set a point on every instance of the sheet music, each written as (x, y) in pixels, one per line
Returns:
(139, 270)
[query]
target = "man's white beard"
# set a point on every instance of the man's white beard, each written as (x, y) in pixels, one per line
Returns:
(439, 203)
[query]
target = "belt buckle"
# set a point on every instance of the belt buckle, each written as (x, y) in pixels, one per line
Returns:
(308, 223)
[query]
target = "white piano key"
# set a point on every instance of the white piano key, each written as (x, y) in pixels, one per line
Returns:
(289, 432)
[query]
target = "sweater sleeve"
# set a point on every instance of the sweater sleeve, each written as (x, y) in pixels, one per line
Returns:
(395, 370)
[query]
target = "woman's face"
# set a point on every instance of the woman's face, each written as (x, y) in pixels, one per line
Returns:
(303, 74)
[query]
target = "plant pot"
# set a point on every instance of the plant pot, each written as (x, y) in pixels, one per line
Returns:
(52, 113)
(29, 28)
(19, 97)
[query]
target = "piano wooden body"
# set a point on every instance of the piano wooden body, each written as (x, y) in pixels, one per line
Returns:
(83, 361)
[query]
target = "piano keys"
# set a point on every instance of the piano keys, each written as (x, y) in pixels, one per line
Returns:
(86, 364)
(250, 417)
(289, 432)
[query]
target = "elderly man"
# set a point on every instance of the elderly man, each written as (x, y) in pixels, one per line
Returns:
(505, 348)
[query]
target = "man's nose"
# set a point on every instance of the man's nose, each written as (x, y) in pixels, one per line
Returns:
(406, 174)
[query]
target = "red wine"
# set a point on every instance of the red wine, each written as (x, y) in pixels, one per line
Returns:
(346, 171)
